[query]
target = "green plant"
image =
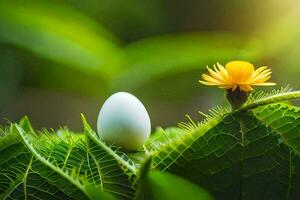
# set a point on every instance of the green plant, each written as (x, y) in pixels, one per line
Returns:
(252, 152)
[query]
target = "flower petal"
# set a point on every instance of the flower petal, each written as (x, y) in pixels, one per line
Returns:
(216, 75)
(258, 71)
(208, 83)
(260, 77)
(223, 71)
(234, 87)
(246, 88)
(264, 84)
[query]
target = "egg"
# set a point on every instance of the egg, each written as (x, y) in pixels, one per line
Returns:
(124, 121)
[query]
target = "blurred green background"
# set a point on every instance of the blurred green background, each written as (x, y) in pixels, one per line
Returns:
(61, 58)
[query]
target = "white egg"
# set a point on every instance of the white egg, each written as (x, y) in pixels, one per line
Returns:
(124, 121)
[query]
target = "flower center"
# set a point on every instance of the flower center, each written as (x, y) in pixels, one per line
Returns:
(239, 71)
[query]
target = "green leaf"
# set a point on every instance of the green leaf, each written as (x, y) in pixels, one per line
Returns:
(62, 166)
(152, 58)
(252, 153)
(96, 194)
(261, 98)
(161, 136)
(60, 34)
(163, 185)
(27, 175)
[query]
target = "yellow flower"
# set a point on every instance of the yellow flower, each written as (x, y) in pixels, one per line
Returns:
(237, 74)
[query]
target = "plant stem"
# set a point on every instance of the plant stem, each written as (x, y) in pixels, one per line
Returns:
(237, 98)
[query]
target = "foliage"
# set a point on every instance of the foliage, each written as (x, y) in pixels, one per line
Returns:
(170, 187)
(252, 153)
(249, 153)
